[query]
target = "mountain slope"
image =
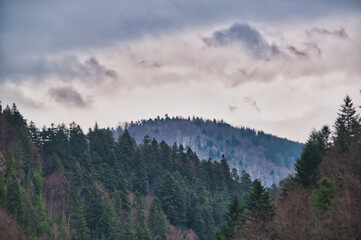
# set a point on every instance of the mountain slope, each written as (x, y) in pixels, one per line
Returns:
(263, 156)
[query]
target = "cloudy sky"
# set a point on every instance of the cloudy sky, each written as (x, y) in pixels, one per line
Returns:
(280, 66)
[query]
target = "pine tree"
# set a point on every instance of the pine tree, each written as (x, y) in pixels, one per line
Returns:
(323, 196)
(142, 231)
(157, 221)
(14, 199)
(315, 148)
(258, 203)
(245, 183)
(140, 178)
(233, 218)
(346, 124)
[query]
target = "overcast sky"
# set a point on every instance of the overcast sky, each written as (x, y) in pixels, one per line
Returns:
(280, 66)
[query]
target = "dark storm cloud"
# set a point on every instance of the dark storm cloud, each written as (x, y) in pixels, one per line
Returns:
(69, 97)
(243, 34)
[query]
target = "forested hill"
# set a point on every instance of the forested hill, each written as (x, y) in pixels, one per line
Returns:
(60, 183)
(263, 156)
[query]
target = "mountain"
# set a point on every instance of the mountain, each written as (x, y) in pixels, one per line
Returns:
(264, 156)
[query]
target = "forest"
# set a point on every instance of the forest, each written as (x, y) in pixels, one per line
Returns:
(59, 182)
(264, 156)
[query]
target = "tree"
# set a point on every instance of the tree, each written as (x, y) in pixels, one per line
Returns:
(233, 218)
(245, 183)
(346, 124)
(14, 199)
(142, 231)
(258, 203)
(140, 178)
(323, 196)
(157, 221)
(313, 152)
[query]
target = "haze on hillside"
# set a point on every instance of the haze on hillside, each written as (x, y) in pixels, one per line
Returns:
(278, 66)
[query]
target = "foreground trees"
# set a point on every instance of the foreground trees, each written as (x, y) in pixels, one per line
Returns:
(60, 183)
(321, 201)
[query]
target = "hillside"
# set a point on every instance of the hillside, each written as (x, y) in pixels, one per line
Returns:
(60, 183)
(262, 155)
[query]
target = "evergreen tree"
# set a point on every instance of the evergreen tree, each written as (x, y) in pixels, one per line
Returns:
(315, 148)
(81, 230)
(233, 218)
(157, 221)
(125, 149)
(323, 196)
(346, 124)
(258, 203)
(245, 183)
(140, 179)
(142, 231)
(14, 199)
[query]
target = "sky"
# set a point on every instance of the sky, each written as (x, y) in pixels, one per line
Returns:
(280, 66)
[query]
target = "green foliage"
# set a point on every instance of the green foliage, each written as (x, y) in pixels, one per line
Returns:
(233, 218)
(323, 196)
(142, 231)
(346, 124)
(157, 221)
(85, 181)
(258, 203)
(14, 198)
(315, 148)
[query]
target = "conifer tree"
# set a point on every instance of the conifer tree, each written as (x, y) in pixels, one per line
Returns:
(142, 231)
(233, 218)
(157, 221)
(323, 196)
(258, 203)
(315, 148)
(346, 124)
(14, 198)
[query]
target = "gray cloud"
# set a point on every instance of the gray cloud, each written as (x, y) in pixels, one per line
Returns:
(249, 100)
(15, 95)
(232, 108)
(65, 68)
(297, 52)
(40, 28)
(69, 97)
(337, 33)
(243, 34)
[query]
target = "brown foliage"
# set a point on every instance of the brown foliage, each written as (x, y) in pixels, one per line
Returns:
(8, 227)
(295, 218)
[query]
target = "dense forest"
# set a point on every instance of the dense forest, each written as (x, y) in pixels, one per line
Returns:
(60, 183)
(264, 156)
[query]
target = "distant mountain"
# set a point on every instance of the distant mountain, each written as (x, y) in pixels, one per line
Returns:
(262, 155)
